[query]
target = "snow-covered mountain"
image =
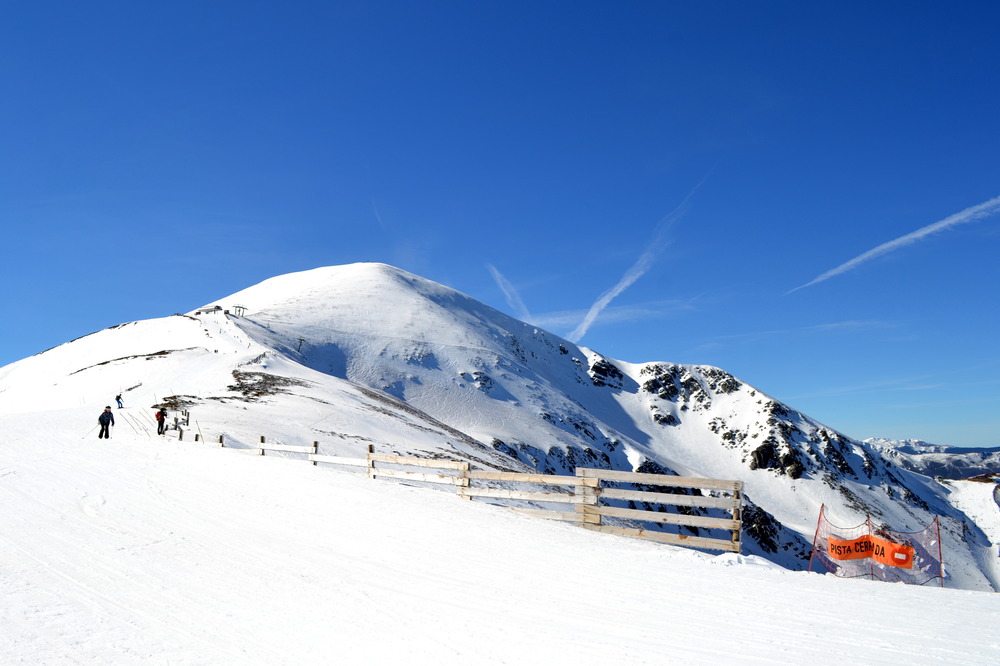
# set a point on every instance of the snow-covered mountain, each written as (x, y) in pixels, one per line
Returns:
(949, 462)
(369, 354)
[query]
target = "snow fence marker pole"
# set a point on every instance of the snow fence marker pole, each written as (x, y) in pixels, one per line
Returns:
(371, 461)
(819, 521)
(937, 524)
(871, 562)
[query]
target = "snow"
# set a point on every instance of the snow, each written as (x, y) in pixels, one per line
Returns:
(981, 503)
(152, 550)
(139, 550)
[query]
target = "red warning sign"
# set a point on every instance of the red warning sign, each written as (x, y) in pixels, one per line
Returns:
(882, 551)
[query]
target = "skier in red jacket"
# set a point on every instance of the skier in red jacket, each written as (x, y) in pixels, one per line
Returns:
(161, 421)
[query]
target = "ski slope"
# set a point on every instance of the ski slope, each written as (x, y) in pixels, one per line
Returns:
(147, 550)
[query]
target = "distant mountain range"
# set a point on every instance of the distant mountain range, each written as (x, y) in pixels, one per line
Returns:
(367, 353)
(948, 462)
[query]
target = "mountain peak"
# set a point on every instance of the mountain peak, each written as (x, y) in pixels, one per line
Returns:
(317, 283)
(370, 354)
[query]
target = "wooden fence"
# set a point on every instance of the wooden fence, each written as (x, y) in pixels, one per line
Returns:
(587, 494)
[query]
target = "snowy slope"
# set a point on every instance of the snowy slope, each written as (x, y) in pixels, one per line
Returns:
(980, 501)
(139, 551)
(209, 367)
(368, 354)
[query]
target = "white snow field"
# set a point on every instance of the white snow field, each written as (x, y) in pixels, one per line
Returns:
(146, 550)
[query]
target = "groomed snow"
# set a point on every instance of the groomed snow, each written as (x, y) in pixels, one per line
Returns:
(150, 550)
(156, 551)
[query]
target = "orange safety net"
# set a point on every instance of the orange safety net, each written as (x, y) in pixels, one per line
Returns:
(883, 554)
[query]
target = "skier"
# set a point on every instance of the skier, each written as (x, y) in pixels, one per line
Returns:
(119, 399)
(105, 419)
(161, 421)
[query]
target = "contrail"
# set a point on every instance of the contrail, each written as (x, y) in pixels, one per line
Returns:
(510, 293)
(968, 215)
(377, 216)
(639, 268)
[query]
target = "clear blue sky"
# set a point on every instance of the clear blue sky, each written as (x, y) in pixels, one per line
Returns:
(707, 158)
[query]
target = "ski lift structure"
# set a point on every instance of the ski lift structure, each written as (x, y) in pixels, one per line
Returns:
(238, 310)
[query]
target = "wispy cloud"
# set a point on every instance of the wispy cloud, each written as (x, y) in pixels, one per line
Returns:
(639, 268)
(510, 293)
(849, 326)
(833, 328)
(968, 215)
(901, 384)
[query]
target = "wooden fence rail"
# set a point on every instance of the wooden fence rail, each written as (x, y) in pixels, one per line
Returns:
(263, 446)
(583, 498)
(733, 503)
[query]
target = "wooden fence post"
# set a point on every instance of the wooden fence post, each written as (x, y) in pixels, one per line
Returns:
(260, 449)
(738, 517)
(221, 443)
(315, 450)
(371, 461)
(590, 491)
(463, 474)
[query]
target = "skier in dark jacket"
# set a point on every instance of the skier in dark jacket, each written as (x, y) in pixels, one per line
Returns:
(161, 421)
(119, 399)
(105, 419)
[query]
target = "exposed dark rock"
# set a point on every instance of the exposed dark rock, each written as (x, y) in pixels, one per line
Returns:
(662, 381)
(505, 448)
(767, 456)
(720, 381)
(764, 456)
(604, 373)
(761, 531)
(761, 526)
(664, 419)
(256, 385)
(791, 464)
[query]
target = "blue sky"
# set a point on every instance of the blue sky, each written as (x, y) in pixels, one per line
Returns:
(697, 164)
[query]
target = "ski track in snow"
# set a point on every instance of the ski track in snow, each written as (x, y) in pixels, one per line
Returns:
(168, 552)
